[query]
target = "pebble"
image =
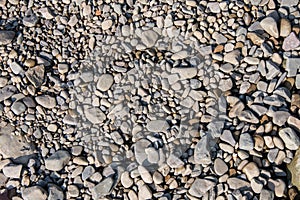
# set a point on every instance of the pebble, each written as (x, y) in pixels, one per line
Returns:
(6, 37)
(285, 27)
(214, 7)
(232, 57)
(185, 73)
(294, 123)
(21, 147)
(94, 115)
(46, 101)
(35, 191)
(290, 138)
(220, 167)
(174, 162)
(157, 126)
(36, 75)
(106, 24)
(18, 107)
(291, 42)
(256, 186)
(126, 180)
(149, 38)
(280, 117)
(251, 170)
(30, 19)
(246, 142)
(237, 183)
(292, 66)
(270, 26)
(55, 192)
(266, 194)
(146, 176)
(103, 188)
(105, 82)
(73, 191)
(200, 187)
(46, 13)
(144, 192)
(57, 161)
(12, 171)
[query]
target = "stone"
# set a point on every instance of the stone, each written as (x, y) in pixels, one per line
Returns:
(270, 26)
(256, 186)
(174, 162)
(214, 7)
(225, 84)
(266, 195)
(87, 172)
(18, 107)
(12, 146)
(185, 73)
(146, 176)
(126, 180)
(294, 169)
(16, 68)
(180, 55)
(157, 126)
(237, 183)
(200, 187)
(251, 170)
(55, 192)
(294, 123)
(228, 137)
(248, 116)
(34, 192)
(285, 27)
(94, 115)
(30, 19)
(106, 24)
(280, 117)
(2, 3)
(289, 3)
(149, 38)
(12, 171)
(103, 188)
(220, 167)
(232, 57)
(255, 2)
(46, 101)
(280, 188)
(58, 160)
(46, 13)
(73, 21)
(291, 42)
(139, 147)
(87, 10)
(290, 138)
(144, 192)
(246, 142)
(63, 68)
(3, 82)
(202, 153)
(6, 37)
(105, 82)
(292, 66)
(73, 191)
(36, 75)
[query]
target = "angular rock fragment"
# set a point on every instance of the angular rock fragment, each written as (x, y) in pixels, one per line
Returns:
(200, 187)
(270, 26)
(46, 101)
(36, 75)
(103, 188)
(291, 42)
(34, 192)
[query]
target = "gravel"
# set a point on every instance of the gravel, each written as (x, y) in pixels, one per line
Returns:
(149, 99)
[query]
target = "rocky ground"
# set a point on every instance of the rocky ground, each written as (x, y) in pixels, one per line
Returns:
(149, 99)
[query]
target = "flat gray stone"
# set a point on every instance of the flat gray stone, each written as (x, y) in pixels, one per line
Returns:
(12, 171)
(200, 187)
(292, 66)
(94, 115)
(157, 126)
(7, 91)
(18, 108)
(103, 188)
(246, 142)
(58, 160)
(6, 37)
(220, 167)
(55, 192)
(30, 19)
(237, 183)
(149, 38)
(34, 192)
